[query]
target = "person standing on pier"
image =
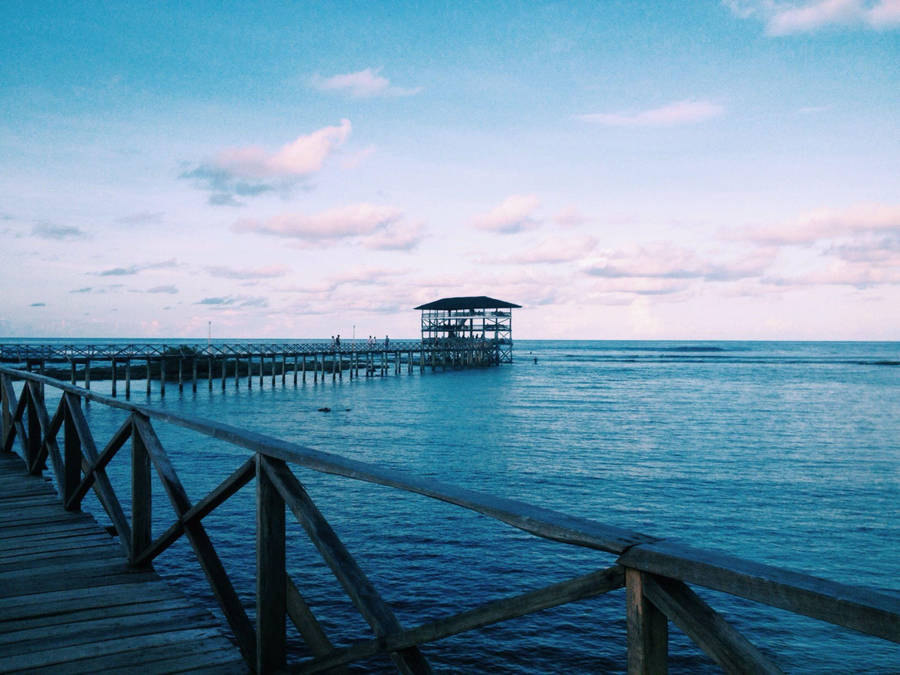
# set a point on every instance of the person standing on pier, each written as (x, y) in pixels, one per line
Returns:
(387, 342)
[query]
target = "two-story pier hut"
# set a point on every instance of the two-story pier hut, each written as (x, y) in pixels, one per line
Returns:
(470, 320)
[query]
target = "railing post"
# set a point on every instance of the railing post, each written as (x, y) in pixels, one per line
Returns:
(34, 432)
(141, 496)
(270, 575)
(648, 629)
(72, 455)
(7, 406)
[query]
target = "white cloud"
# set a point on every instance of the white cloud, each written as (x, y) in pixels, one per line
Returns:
(301, 157)
(824, 224)
(553, 251)
(514, 214)
(787, 18)
(374, 226)
(673, 114)
(269, 272)
(366, 83)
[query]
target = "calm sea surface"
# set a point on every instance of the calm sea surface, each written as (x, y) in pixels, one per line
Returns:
(784, 453)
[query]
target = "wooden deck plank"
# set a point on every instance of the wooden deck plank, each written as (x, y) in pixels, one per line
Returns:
(69, 602)
(51, 656)
(152, 658)
(107, 611)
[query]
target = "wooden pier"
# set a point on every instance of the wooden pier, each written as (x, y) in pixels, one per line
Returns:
(69, 601)
(656, 573)
(230, 365)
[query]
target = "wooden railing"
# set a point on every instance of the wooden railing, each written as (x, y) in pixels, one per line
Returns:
(655, 572)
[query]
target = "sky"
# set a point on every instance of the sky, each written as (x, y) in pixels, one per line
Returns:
(654, 170)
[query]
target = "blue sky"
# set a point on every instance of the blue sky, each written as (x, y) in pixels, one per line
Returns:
(623, 170)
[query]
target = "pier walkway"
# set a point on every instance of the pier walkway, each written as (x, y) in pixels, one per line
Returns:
(70, 603)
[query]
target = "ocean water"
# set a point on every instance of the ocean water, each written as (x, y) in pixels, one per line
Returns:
(783, 453)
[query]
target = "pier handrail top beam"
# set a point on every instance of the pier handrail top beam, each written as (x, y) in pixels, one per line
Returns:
(854, 607)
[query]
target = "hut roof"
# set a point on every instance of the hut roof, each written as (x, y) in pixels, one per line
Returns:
(469, 302)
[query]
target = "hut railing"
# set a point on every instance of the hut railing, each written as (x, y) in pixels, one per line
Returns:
(655, 572)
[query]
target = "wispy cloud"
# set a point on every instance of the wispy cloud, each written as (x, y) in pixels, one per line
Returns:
(791, 17)
(269, 272)
(672, 114)
(569, 217)
(514, 214)
(252, 170)
(38, 304)
(242, 301)
(552, 251)
(163, 289)
(137, 269)
(142, 218)
(824, 224)
(669, 261)
(381, 227)
(86, 289)
(366, 83)
(51, 231)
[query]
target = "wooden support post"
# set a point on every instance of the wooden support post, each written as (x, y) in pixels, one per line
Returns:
(6, 406)
(224, 372)
(237, 374)
(194, 375)
(315, 368)
(114, 376)
(148, 377)
(397, 362)
(87, 374)
(73, 460)
(72, 378)
(422, 359)
(271, 580)
(141, 498)
(33, 445)
(333, 364)
(273, 371)
(304, 368)
(283, 368)
(209, 372)
(128, 378)
(249, 372)
(180, 374)
(648, 629)
(295, 370)
(162, 376)
(262, 362)
(340, 365)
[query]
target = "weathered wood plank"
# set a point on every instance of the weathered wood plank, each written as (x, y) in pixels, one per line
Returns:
(706, 627)
(852, 607)
(118, 440)
(270, 574)
(238, 479)
(46, 602)
(586, 586)
(102, 486)
(206, 554)
(54, 655)
(152, 659)
(48, 432)
(141, 498)
(305, 621)
(90, 630)
(130, 608)
(648, 630)
(356, 584)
